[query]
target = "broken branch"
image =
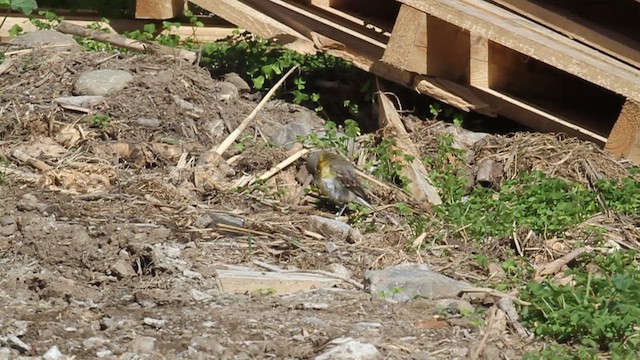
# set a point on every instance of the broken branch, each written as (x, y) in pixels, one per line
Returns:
(234, 135)
(117, 40)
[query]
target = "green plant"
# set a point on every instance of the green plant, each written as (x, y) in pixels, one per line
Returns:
(621, 195)
(50, 21)
(384, 168)
(241, 145)
(263, 62)
(24, 6)
(94, 45)
(332, 138)
(266, 292)
(195, 23)
(166, 37)
(450, 179)
(147, 34)
(100, 121)
(598, 312)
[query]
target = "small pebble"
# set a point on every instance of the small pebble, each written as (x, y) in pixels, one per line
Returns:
(156, 323)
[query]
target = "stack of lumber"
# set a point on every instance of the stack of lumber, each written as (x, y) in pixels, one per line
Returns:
(572, 67)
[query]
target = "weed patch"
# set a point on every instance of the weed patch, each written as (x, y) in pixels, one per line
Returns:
(598, 312)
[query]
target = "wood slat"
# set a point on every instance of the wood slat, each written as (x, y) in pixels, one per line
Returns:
(499, 25)
(575, 27)
(624, 139)
(245, 17)
(407, 48)
(158, 9)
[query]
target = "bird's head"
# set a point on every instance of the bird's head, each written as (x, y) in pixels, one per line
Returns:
(312, 162)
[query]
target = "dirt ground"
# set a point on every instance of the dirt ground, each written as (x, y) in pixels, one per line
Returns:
(108, 252)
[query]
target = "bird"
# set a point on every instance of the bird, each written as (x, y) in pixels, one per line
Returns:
(337, 179)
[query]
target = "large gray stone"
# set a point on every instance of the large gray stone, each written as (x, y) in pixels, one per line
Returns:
(334, 229)
(285, 136)
(101, 82)
(350, 349)
(44, 37)
(408, 281)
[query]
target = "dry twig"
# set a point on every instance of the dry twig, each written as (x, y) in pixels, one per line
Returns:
(234, 135)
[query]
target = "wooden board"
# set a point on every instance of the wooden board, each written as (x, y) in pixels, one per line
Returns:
(578, 28)
(534, 117)
(624, 139)
(309, 24)
(158, 9)
(407, 48)
(499, 25)
(245, 17)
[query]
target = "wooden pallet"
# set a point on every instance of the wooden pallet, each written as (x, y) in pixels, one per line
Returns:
(565, 73)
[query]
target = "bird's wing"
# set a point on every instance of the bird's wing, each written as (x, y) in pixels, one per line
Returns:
(349, 178)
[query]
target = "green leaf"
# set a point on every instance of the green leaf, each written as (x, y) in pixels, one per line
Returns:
(258, 82)
(25, 6)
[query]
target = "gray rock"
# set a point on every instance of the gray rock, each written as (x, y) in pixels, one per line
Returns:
(28, 202)
(19, 327)
(198, 295)
(85, 101)
(458, 306)
(339, 270)
(44, 37)
(156, 323)
(238, 81)
(226, 91)
(315, 321)
(192, 274)
(15, 342)
(8, 230)
(285, 136)
(334, 229)
(53, 354)
(122, 269)
(408, 281)
(104, 353)
(101, 82)
(148, 123)
(207, 343)
(223, 218)
(7, 220)
(94, 342)
(142, 344)
(184, 104)
(5, 353)
(350, 349)
(330, 246)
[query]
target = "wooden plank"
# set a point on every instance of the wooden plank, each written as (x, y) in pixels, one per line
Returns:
(534, 117)
(479, 61)
(624, 139)
(449, 46)
(246, 281)
(575, 27)
(449, 92)
(523, 35)
(360, 21)
(248, 18)
(357, 24)
(407, 48)
(304, 20)
(158, 9)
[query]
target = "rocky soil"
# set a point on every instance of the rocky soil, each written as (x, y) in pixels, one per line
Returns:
(120, 236)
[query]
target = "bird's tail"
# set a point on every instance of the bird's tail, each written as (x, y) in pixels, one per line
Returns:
(363, 202)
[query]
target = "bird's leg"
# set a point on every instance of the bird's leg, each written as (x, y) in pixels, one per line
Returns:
(341, 211)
